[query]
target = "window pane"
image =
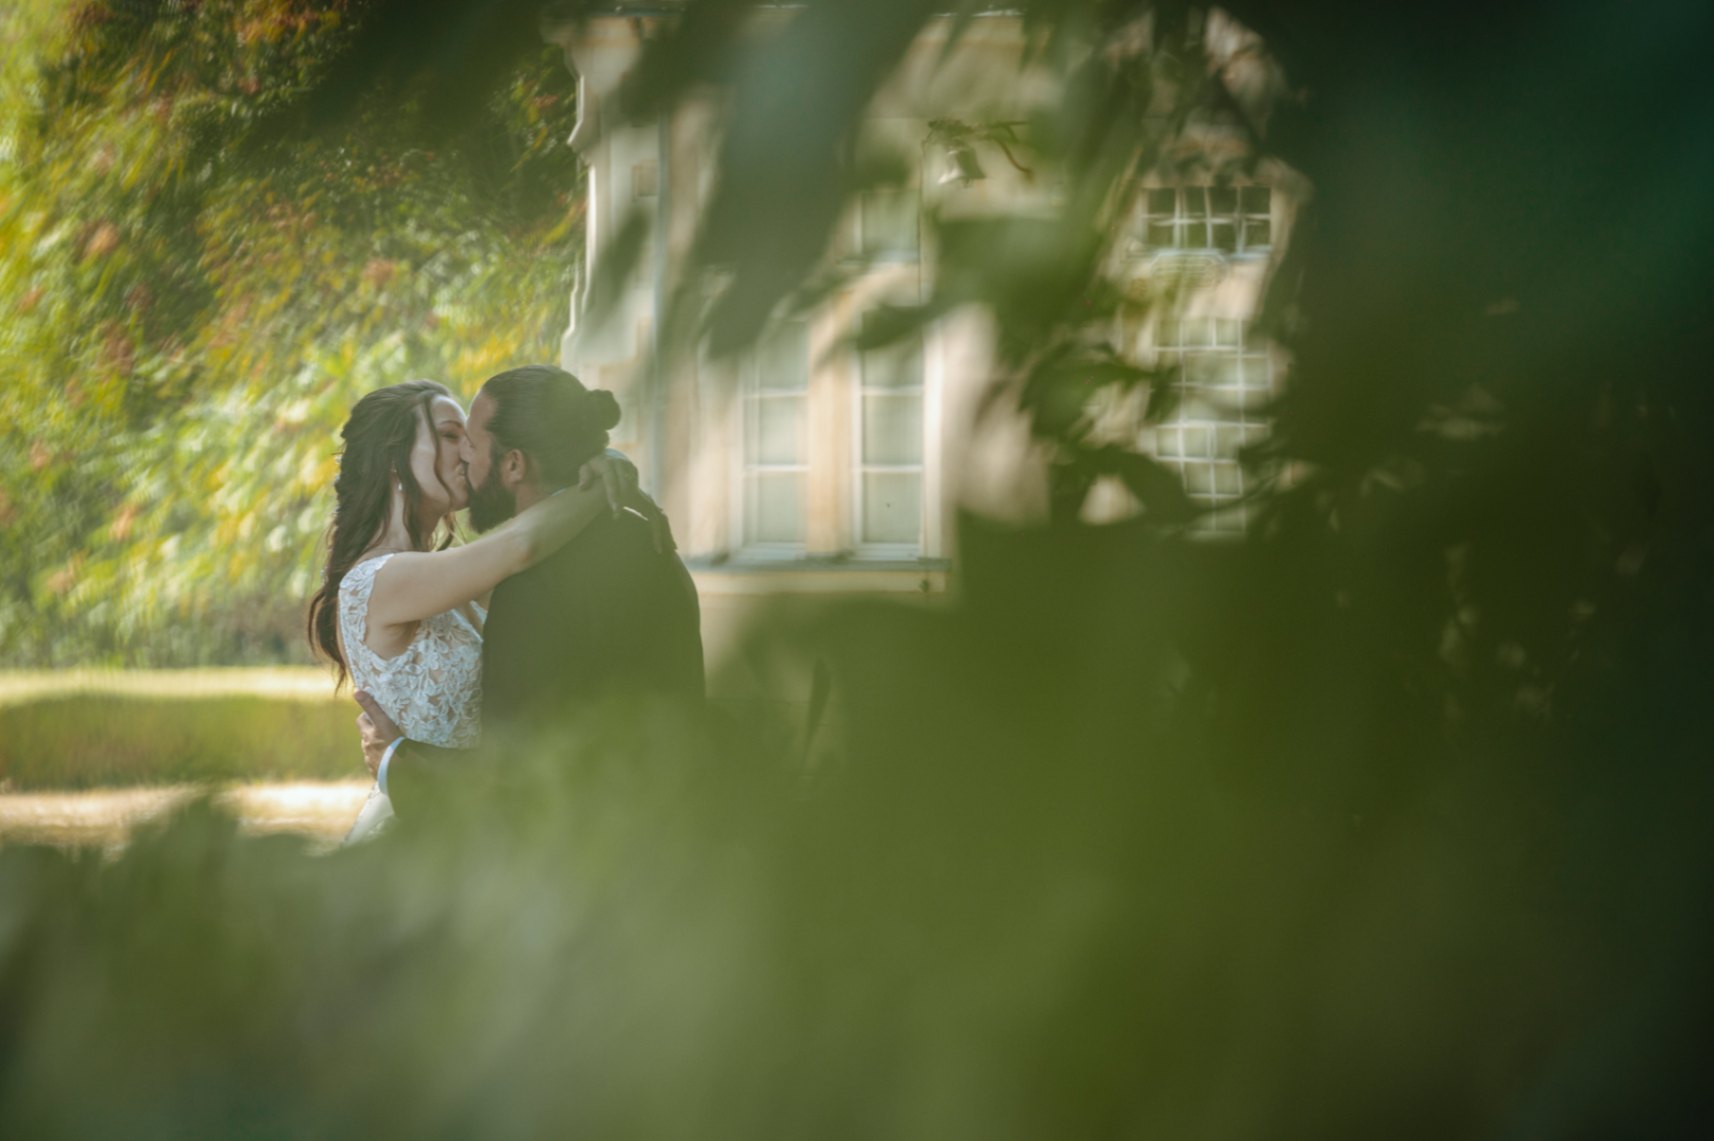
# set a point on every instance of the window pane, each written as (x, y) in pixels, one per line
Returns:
(782, 359)
(1196, 442)
(1225, 235)
(892, 429)
(1199, 478)
(1227, 441)
(1161, 235)
(892, 507)
(1199, 370)
(1257, 233)
(1223, 200)
(895, 365)
(779, 430)
(1255, 371)
(1195, 205)
(1226, 332)
(1227, 480)
(890, 222)
(1256, 200)
(776, 514)
(1212, 370)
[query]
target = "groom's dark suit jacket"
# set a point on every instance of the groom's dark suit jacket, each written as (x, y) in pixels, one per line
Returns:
(606, 614)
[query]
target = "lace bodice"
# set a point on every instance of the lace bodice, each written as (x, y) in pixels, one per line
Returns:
(433, 688)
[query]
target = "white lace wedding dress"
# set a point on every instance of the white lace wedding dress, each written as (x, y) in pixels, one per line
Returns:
(432, 689)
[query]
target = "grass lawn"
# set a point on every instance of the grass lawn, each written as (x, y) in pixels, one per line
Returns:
(307, 683)
(95, 729)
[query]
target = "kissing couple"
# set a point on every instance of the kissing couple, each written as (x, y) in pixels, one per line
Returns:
(570, 592)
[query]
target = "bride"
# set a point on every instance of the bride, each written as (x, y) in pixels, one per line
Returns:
(400, 609)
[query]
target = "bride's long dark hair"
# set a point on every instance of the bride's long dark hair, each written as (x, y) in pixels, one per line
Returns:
(378, 437)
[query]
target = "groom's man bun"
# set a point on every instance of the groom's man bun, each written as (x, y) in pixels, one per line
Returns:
(603, 408)
(548, 414)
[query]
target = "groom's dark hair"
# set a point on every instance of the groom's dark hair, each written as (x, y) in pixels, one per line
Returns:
(547, 414)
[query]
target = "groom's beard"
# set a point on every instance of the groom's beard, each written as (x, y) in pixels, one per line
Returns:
(491, 504)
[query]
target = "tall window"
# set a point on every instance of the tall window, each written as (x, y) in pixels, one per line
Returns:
(776, 440)
(1231, 219)
(889, 484)
(1224, 383)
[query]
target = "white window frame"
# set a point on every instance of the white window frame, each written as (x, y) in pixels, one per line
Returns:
(833, 468)
(1244, 418)
(746, 414)
(1182, 221)
(859, 468)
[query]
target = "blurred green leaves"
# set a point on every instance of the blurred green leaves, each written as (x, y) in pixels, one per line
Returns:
(202, 270)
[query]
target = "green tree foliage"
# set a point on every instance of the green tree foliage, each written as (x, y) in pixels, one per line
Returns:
(196, 291)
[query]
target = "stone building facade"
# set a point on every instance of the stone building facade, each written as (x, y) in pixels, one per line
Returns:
(806, 469)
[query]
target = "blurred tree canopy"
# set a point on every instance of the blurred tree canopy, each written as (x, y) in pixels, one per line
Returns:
(195, 291)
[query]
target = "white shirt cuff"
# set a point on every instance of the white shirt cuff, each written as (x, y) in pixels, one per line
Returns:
(386, 759)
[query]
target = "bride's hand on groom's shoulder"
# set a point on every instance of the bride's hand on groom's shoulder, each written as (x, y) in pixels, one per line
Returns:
(617, 476)
(659, 529)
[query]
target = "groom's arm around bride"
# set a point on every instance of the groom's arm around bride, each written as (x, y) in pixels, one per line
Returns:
(606, 616)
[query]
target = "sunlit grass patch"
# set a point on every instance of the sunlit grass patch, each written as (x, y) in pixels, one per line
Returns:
(308, 683)
(99, 729)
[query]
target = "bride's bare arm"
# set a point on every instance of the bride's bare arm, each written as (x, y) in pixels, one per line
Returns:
(419, 584)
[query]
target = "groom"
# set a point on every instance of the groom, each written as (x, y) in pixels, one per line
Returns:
(609, 613)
